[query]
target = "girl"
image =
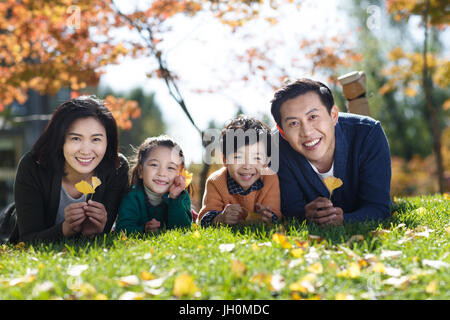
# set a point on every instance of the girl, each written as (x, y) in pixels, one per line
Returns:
(79, 142)
(158, 198)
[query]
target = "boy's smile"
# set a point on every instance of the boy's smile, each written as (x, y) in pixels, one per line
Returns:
(245, 165)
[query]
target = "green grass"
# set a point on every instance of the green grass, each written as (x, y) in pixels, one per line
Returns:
(405, 257)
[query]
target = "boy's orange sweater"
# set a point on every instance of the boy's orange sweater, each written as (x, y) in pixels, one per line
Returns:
(217, 196)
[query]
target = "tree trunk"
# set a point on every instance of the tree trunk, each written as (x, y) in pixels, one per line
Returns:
(434, 117)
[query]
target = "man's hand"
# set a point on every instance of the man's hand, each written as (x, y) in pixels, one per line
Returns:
(177, 187)
(152, 225)
(322, 212)
(74, 216)
(96, 219)
(232, 214)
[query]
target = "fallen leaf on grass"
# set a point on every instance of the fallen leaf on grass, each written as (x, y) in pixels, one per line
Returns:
(353, 271)
(261, 278)
(277, 283)
(131, 280)
(315, 268)
(304, 285)
(378, 267)
(226, 247)
(343, 296)
(184, 285)
(354, 238)
(298, 252)
(238, 268)
(316, 238)
(145, 275)
(281, 239)
(435, 263)
(390, 254)
(131, 295)
(76, 270)
(401, 282)
(419, 211)
(432, 287)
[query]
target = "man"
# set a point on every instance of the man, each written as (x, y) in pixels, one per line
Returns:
(316, 142)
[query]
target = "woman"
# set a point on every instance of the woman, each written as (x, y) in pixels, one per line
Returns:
(79, 142)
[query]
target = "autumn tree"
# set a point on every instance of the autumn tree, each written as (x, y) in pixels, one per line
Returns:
(422, 71)
(46, 45)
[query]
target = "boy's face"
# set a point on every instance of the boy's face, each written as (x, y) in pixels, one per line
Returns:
(245, 165)
(309, 128)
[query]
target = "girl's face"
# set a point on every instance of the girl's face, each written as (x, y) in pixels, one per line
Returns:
(84, 146)
(159, 170)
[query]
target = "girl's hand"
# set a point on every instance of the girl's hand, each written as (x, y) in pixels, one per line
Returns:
(152, 225)
(265, 212)
(74, 216)
(177, 187)
(96, 219)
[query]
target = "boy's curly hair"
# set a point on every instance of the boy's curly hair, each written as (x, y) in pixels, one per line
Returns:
(247, 126)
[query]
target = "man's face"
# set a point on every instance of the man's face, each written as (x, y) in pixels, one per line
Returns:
(309, 128)
(246, 164)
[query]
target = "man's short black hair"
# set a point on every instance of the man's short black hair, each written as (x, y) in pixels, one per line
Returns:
(297, 88)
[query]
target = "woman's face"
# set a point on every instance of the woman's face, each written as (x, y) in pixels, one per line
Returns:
(84, 146)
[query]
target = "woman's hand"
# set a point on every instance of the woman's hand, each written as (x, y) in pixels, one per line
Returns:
(96, 219)
(152, 225)
(74, 216)
(177, 187)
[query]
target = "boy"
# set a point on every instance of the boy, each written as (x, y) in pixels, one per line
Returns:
(244, 190)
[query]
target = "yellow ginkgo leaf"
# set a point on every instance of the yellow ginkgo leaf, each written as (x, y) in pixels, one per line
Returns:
(332, 183)
(238, 268)
(188, 176)
(184, 285)
(84, 187)
(96, 182)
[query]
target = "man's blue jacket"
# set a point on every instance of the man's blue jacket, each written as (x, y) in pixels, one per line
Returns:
(361, 160)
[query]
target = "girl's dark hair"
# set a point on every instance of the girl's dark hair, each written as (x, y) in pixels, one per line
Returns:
(144, 150)
(243, 124)
(297, 88)
(48, 149)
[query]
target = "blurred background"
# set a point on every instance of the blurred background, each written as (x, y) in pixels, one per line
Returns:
(182, 66)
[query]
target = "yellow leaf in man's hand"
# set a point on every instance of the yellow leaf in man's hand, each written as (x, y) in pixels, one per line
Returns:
(84, 187)
(188, 176)
(332, 183)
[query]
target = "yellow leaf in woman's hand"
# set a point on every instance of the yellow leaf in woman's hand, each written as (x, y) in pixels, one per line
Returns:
(84, 187)
(96, 182)
(188, 176)
(332, 183)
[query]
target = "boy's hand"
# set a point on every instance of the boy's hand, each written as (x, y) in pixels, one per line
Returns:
(265, 212)
(152, 225)
(177, 187)
(232, 214)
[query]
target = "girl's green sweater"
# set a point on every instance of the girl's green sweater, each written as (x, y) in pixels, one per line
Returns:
(135, 211)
